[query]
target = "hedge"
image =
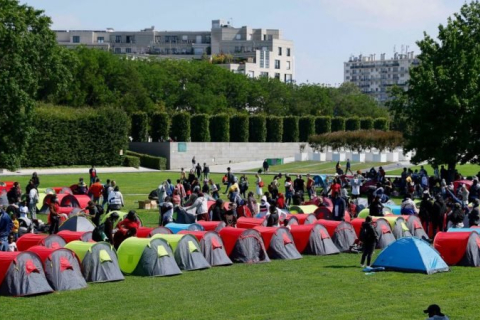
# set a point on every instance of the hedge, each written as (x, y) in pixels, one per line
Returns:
(381, 124)
(62, 137)
(352, 124)
(290, 129)
(160, 126)
(306, 127)
(257, 128)
(180, 128)
(274, 129)
(239, 128)
(366, 123)
(139, 126)
(338, 124)
(200, 127)
(220, 128)
(149, 161)
(359, 140)
(131, 161)
(323, 125)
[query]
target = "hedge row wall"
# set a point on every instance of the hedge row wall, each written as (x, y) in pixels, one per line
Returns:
(244, 128)
(65, 136)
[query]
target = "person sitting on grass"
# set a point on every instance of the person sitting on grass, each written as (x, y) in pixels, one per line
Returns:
(127, 228)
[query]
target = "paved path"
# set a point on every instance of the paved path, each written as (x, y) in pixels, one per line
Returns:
(54, 171)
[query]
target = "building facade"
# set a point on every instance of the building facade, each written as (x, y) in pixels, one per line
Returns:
(253, 52)
(374, 76)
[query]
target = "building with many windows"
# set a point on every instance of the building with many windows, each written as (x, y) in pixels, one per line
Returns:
(253, 52)
(374, 76)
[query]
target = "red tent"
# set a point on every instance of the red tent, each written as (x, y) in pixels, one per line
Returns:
(326, 213)
(313, 239)
(198, 234)
(458, 183)
(70, 236)
(144, 232)
(244, 245)
(451, 245)
(250, 223)
(279, 243)
(213, 248)
(30, 239)
(212, 225)
(302, 218)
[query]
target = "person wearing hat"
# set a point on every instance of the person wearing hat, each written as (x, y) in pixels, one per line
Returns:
(474, 215)
(434, 313)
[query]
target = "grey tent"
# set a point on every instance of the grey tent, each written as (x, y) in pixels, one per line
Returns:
(212, 247)
(160, 230)
(296, 219)
(147, 257)
(384, 231)
(342, 233)
(186, 250)
(244, 245)
(399, 227)
(459, 248)
(415, 227)
(21, 274)
(62, 268)
(77, 223)
(31, 239)
(99, 261)
(3, 198)
(313, 239)
(279, 243)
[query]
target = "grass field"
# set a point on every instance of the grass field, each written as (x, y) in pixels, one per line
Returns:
(465, 170)
(331, 287)
(316, 167)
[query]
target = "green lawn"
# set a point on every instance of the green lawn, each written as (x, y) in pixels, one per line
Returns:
(316, 167)
(465, 170)
(331, 287)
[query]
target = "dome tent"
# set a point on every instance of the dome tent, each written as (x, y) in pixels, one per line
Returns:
(459, 248)
(147, 257)
(30, 239)
(342, 233)
(176, 227)
(399, 226)
(313, 239)
(212, 246)
(77, 223)
(250, 223)
(70, 236)
(279, 243)
(244, 245)
(212, 225)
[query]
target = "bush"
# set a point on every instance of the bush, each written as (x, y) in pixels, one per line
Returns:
(257, 127)
(200, 127)
(160, 126)
(290, 129)
(381, 124)
(323, 125)
(306, 127)
(338, 124)
(139, 127)
(352, 124)
(149, 161)
(131, 161)
(220, 128)
(239, 128)
(180, 129)
(359, 140)
(61, 137)
(366, 123)
(274, 129)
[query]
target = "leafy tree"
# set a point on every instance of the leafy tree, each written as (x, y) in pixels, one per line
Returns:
(30, 62)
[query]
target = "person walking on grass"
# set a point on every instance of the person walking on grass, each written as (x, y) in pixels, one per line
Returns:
(93, 175)
(348, 167)
(265, 165)
(368, 239)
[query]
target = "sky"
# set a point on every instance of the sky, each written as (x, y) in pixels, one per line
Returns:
(325, 32)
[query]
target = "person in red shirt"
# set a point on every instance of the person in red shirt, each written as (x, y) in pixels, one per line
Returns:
(310, 186)
(96, 190)
(54, 215)
(280, 201)
(93, 175)
(335, 187)
(126, 228)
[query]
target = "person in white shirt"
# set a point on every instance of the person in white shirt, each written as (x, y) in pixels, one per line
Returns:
(115, 200)
(408, 206)
(162, 192)
(264, 208)
(32, 205)
(12, 246)
(201, 208)
(356, 183)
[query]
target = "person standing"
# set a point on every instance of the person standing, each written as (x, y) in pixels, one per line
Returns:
(32, 202)
(35, 179)
(198, 170)
(339, 207)
(194, 162)
(288, 190)
(368, 239)
(93, 212)
(93, 175)
(206, 171)
(310, 187)
(115, 200)
(265, 165)
(348, 167)
(230, 179)
(214, 189)
(376, 207)
(6, 226)
(243, 186)
(162, 192)
(355, 183)
(438, 214)
(96, 190)
(54, 215)
(259, 185)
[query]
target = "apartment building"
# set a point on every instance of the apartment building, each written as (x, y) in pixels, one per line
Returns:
(374, 76)
(253, 52)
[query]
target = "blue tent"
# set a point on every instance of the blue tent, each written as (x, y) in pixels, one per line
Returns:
(394, 208)
(477, 230)
(177, 227)
(411, 255)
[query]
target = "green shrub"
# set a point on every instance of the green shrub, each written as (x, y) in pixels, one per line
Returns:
(366, 123)
(358, 140)
(274, 129)
(131, 161)
(381, 124)
(290, 129)
(139, 127)
(149, 161)
(180, 128)
(160, 126)
(306, 127)
(338, 124)
(257, 127)
(239, 128)
(352, 124)
(323, 125)
(200, 127)
(220, 128)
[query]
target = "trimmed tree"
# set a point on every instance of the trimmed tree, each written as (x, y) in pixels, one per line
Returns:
(306, 127)
(366, 123)
(239, 128)
(139, 126)
(160, 126)
(200, 128)
(381, 124)
(290, 129)
(257, 128)
(180, 129)
(274, 129)
(323, 125)
(220, 128)
(352, 124)
(338, 124)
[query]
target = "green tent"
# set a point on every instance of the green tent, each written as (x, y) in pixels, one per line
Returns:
(308, 209)
(147, 257)
(122, 215)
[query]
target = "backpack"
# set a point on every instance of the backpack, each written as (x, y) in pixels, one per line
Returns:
(261, 184)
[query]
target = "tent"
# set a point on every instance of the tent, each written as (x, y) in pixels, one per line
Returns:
(301, 218)
(99, 261)
(411, 255)
(145, 232)
(415, 227)
(342, 233)
(180, 215)
(21, 274)
(244, 245)
(394, 208)
(62, 268)
(30, 239)
(399, 226)
(70, 236)
(66, 201)
(160, 230)
(3, 198)
(313, 239)
(384, 231)
(147, 257)
(176, 227)
(303, 209)
(459, 248)
(326, 214)
(250, 223)
(77, 223)
(122, 215)
(212, 247)
(212, 225)
(279, 243)
(186, 251)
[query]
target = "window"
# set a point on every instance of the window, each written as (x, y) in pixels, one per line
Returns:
(184, 38)
(277, 76)
(128, 50)
(267, 59)
(118, 50)
(289, 65)
(277, 64)
(76, 39)
(238, 37)
(288, 78)
(279, 51)
(157, 39)
(263, 74)
(288, 52)
(100, 39)
(118, 39)
(130, 39)
(251, 74)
